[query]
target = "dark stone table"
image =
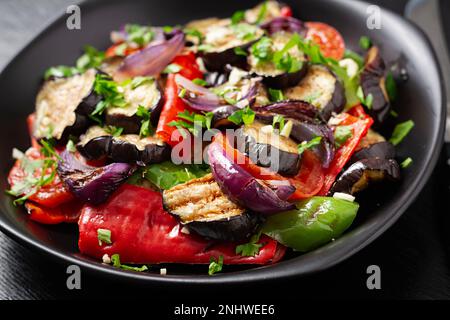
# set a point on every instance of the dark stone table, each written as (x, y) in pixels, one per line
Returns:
(414, 255)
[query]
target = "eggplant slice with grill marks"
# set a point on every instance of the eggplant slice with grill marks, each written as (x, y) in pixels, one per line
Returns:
(267, 148)
(320, 87)
(373, 83)
(278, 78)
(63, 106)
(97, 143)
(221, 38)
(202, 207)
(144, 93)
(363, 172)
(373, 145)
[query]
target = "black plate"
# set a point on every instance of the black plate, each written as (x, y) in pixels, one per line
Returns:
(421, 99)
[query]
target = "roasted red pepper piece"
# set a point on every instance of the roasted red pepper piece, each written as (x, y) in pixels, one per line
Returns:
(143, 232)
(360, 123)
(51, 195)
(173, 103)
(67, 212)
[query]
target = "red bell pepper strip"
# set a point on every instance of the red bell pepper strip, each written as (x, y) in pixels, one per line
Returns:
(143, 232)
(359, 122)
(173, 104)
(67, 212)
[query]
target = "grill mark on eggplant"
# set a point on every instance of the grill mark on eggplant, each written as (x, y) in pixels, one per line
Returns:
(204, 209)
(64, 104)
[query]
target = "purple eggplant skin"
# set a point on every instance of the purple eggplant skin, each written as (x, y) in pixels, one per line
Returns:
(93, 185)
(123, 151)
(285, 80)
(295, 109)
(337, 102)
(220, 116)
(382, 150)
(262, 153)
(372, 81)
(237, 228)
(243, 188)
(286, 24)
(362, 173)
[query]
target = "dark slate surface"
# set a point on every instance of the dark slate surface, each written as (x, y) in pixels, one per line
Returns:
(414, 255)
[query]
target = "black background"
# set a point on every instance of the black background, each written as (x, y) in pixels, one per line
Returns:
(414, 255)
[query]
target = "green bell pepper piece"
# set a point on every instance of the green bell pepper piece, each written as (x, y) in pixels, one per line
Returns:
(316, 221)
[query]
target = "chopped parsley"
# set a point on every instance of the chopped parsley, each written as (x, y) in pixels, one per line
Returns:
(278, 122)
(239, 51)
(195, 121)
(115, 260)
(237, 17)
(70, 146)
(367, 101)
(393, 114)
(251, 248)
(139, 81)
(114, 131)
(245, 31)
(109, 90)
(262, 50)
(200, 82)
(104, 236)
(391, 86)
(92, 58)
(140, 35)
(308, 144)
(262, 13)
(401, 130)
(194, 33)
(245, 116)
(406, 163)
(172, 68)
(146, 126)
(60, 72)
(341, 135)
(215, 265)
(275, 95)
(365, 42)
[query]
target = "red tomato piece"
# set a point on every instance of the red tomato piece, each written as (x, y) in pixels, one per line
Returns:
(329, 40)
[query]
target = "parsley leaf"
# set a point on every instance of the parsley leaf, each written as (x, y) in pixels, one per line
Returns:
(114, 131)
(115, 259)
(139, 81)
(109, 90)
(200, 82)
(262, 49)
(245, 116)
(406, 163)
(262, 13)
(341, 135)
(365, 42)
(146, 126)
(237, 17)
(391, 86)
(70, 146)
(251, 248)
(60, 72)
(239, 51)
(367, 101)
(275, 95)
(92, 58)
(172, 68)
(278, 122)
(196, 121)
(140, 35)
(401, 131)
(194, 33)
(215, 266)
(308, 144)
(104, 236)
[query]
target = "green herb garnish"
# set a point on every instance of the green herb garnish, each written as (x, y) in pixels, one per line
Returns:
(115, 260)
(200, 82)
(245, 116)
(401, 131)
(172, 68)
(215, 266)
(406, 163)
(275, 95)
(308, 144)
(237, 17)
(195, 122)
(367, 101)
(140, 35)
(104, 236)
(146, 127)
(341, 135)
(365, 42)
(251, 248)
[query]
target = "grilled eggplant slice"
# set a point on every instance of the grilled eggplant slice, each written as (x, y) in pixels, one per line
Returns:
(221, 38)
(146, 94)
(97, 143)
(360, 174)
(63, 106)
(264, 12)
(269, 149)
(380, 150)
(320, 87)
(274, 77)
(205, 210)
(373, 83)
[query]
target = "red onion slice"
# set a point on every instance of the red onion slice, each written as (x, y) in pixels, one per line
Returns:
(91, 184)
(245, 189)
(151, 60)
